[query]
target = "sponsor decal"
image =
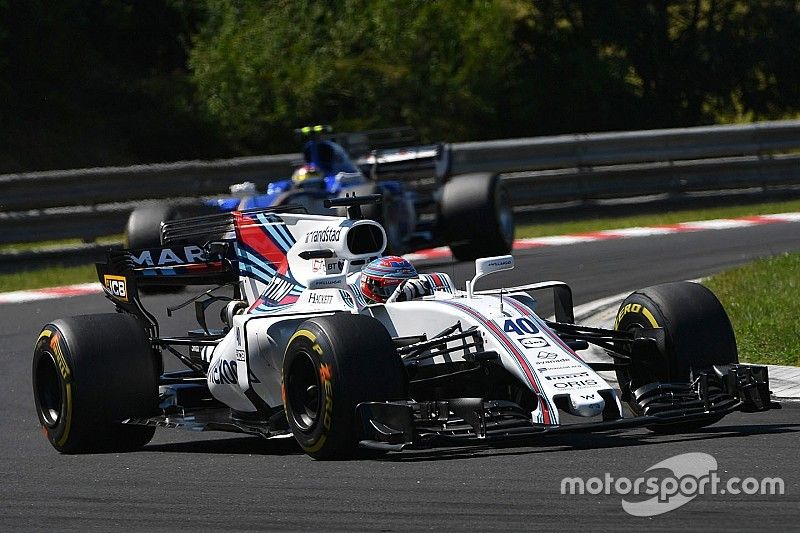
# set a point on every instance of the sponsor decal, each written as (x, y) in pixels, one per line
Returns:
(547, 356)
(325, 377)
(520, 326)
(500, 263)
(334, 267)
(116, 286)
(577, 384)
(169, 256)
(240, 355)
(327, 282)
(568, 376)
(320, 299)
(636, 308)
(562, 367)
(238, 337)
(588, 396)
(223, 372)
(55, 345)
(328, 234)
(533, 342)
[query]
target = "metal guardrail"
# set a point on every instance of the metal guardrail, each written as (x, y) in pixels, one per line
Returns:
(94, 186)
(87, 203)
(623, 148)
(676, 177)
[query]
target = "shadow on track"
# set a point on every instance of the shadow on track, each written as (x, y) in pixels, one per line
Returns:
(574, 442)
(533, 445)
(232, 446)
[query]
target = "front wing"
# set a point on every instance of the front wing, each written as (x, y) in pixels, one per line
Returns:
(714, 394)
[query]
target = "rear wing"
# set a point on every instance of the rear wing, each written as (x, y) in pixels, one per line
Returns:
(361, 143)
(410, 164)
(194, 251)
(126, 272)
(396, 154)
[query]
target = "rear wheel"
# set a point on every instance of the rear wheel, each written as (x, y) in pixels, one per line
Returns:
(90, 373)
(332, 364)
(698, 335)
(477, 216)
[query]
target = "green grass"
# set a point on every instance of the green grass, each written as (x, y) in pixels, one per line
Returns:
(25, 246)
(763, 302)
(47, 277)
(671, 217)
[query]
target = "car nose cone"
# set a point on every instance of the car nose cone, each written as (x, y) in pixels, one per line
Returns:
(586, 404)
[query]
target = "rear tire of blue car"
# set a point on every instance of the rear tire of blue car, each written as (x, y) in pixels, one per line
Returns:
(698, 335)
(332, 364)
(144, 225)
(144, 231)
(476, 216)
(89, 373)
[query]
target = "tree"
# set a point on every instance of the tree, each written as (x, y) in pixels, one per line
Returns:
(263, 68)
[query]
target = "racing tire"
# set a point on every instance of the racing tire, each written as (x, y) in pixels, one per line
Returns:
(144, 231)
(144, 225)
(698, 335)
(90, 373)
(332, 364)
(477, 216)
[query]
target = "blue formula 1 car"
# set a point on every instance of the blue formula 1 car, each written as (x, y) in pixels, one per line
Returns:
(422, 206)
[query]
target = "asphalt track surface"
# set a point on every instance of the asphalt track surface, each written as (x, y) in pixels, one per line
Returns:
(208, 481)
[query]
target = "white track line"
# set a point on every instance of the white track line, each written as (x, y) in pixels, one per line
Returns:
(49, 293)
(627, 233)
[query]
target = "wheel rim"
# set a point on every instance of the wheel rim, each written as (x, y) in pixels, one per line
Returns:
(643, 377)
(303, 392)
(505, 216)
(48, 389)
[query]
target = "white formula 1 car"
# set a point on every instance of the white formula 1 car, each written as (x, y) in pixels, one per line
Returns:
(302, 353)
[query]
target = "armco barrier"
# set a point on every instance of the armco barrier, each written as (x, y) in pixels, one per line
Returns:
(87, 203)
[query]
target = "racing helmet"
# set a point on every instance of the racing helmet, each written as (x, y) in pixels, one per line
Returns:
(306, 175)
(380, 277)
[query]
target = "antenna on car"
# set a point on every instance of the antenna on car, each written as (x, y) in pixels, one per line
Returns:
(353, 204)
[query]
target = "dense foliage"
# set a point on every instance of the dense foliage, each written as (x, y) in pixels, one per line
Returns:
(103, 81)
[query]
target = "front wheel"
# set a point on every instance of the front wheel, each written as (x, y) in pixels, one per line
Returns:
(90, 373)
(332, 364)
(477, 217)
(698, 335)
